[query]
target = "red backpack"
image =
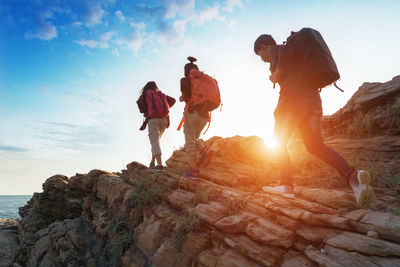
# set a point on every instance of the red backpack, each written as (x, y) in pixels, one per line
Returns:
(204, 89)
(157, 104)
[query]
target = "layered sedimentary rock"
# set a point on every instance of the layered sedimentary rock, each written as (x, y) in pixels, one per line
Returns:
(139, 217)
(369, 125)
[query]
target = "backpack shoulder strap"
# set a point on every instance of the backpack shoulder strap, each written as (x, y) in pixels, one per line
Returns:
(152, 101)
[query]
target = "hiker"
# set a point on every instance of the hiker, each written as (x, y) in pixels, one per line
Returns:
(155, 108)
(299, 105)
(196, 116)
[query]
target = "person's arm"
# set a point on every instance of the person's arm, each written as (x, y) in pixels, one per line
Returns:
(141, 102)
(284, 61)
(276, 76)
(185, 89)
(171, 101)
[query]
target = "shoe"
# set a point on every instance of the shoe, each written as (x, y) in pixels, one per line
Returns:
(193, 174)
(283, 190)
(363, 193)
(155, 168)
(159, 167)
(206, 155)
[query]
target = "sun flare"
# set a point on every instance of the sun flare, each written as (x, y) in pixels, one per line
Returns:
(270, 142)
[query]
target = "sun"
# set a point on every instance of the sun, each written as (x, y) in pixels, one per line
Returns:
(271, 143)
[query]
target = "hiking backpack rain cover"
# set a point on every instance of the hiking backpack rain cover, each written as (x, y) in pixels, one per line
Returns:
(204, 89)
(317, 68)
(157, 104)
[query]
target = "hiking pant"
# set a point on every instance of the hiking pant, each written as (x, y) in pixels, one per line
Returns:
(194, 124)
(157, 127)
(310, 128)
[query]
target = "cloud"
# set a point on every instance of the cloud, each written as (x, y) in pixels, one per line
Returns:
(231, 4)
(232, 24)
(115, 52)
(73, 136)
(171, 33)
(105, 37)
(169, 18)
(12, 149)
(178, 8)
(76, 24)
(207, 14)
(93, 13)
(120, 16)
(136, 40)
(101, 43)
(88, 43)
(45, 29)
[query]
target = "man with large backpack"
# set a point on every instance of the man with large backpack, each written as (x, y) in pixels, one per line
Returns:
(155, 105)
(201, 94)
(302, 67)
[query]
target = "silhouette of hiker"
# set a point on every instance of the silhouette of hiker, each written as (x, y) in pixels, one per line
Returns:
(300, 105)
(195, 119)
(155, 108)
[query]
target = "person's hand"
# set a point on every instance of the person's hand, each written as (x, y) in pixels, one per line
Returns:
(273, 77)
(276, 76)
(181, 98)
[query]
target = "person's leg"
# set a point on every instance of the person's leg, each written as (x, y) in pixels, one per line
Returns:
(153, 159)
(163, 124)
(190, 131)
(205, 152)
(310, 129)
(159, 161)
(284, 126)
(359, 180)
(154, 136)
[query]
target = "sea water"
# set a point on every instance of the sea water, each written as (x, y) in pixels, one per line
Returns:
(9, 206)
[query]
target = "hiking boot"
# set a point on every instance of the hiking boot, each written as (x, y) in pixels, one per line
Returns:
(193, 174)
(363, 192)
(283, 190)
(159, 167)
(151, 166)
(206, 155)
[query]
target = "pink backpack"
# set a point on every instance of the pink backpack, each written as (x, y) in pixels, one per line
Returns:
(157, 105)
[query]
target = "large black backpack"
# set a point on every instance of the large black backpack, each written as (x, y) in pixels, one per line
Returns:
(316, 68)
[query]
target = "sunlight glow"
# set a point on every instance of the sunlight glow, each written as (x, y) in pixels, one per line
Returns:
(271, 143)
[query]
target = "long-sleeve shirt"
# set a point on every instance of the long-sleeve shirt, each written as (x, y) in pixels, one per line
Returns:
(294, 97)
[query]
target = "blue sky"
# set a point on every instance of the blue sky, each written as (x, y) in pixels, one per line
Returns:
(71, 71)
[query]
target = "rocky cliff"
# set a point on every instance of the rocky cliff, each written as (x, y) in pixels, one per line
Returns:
(367, 130)
(143, 218)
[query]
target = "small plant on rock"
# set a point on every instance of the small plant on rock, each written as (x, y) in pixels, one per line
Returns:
(148, 192)
(120, 241)
(184, 225)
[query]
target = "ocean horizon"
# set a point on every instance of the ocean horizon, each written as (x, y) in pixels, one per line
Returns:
(9, 205)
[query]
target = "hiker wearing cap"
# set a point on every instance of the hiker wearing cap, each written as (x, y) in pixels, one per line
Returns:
(155, 105)
(196, 117)
(302, 70)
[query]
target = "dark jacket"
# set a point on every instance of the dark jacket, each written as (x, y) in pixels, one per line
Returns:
(295, 97)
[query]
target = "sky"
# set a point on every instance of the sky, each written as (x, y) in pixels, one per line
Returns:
(71, 72)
